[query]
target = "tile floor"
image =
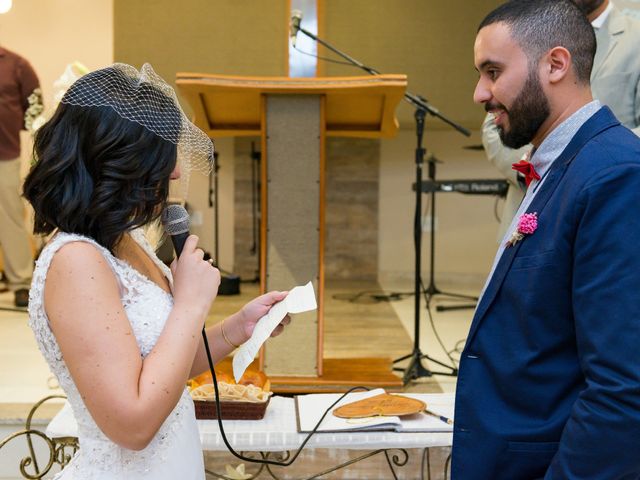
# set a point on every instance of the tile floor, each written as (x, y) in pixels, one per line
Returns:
(25, 377)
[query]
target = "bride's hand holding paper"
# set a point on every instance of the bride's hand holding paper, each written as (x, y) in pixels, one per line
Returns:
(299, 299)
(253, 311)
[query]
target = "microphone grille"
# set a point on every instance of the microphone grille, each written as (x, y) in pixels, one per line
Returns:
(175, 220)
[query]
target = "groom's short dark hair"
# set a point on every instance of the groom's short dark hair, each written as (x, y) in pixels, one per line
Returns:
(540, 25)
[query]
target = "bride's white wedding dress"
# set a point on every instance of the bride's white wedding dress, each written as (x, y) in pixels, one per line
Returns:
(175, 452)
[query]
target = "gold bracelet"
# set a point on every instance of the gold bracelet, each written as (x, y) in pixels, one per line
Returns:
(226, 339)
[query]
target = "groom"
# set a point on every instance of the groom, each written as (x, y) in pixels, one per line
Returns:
(549, 382)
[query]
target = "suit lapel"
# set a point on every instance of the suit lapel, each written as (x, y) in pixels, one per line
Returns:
(600, 121)
(504, 264)
(607, 39)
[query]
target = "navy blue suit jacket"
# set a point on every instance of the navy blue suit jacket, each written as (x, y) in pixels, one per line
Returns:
(549, 381)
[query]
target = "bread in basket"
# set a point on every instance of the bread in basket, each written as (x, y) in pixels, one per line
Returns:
(246, 400)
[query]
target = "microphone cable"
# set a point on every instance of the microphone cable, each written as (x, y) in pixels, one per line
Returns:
(176, 223)
(224, 436)
(326, 59)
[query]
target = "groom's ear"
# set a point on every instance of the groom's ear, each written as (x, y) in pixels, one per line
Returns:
(557, 65)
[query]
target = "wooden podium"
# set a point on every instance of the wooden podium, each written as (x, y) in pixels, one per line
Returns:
(293, 117)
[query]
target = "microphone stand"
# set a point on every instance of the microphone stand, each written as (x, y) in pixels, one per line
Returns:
(255, 210)
(415, 369)
(229, 282)
(213, 202)
(414, 100)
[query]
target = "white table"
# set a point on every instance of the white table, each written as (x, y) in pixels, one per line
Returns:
(277, 432)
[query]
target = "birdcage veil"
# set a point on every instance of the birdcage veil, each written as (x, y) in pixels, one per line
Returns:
(145, 98)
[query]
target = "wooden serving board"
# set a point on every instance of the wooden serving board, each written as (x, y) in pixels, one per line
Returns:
(381, 405)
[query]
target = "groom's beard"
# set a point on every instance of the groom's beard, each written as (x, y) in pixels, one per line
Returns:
(527, 114)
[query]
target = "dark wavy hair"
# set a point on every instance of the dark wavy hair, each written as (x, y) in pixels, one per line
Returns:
(540, 25)
(98, 174)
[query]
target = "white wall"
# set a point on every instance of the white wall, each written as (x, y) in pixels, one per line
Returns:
(199, 203)
(53, 33)
(466, 228)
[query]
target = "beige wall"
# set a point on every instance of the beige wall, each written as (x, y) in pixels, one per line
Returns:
(432, 42)
(212, 36)
(53, 33)
(429, 40)
(466, 227)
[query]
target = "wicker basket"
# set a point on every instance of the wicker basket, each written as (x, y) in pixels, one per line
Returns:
(206, 410)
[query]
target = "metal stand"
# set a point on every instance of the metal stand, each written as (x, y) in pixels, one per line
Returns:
(432, 290)
(255, 207)
(415, 369)
(399, 459)
(60, 450)
(229, 282)
(213, 202)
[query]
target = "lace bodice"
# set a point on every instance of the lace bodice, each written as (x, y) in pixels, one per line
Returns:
(147, 307)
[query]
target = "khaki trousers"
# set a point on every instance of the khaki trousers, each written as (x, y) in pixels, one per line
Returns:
(14, 238)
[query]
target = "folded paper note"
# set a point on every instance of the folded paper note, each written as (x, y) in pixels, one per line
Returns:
(300, 299)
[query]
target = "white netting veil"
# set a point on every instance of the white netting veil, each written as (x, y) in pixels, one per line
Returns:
(145, 98)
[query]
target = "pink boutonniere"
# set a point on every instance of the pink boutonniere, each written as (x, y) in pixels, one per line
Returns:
(527, 224)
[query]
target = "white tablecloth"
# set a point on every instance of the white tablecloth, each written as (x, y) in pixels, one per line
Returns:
(277, 432)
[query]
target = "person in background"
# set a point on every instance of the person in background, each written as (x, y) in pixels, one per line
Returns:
(549, 379)
(20, 102)
(615, 81)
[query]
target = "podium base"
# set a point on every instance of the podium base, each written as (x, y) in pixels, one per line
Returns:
(340, 374)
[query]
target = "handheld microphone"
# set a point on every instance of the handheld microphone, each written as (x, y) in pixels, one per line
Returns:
(175, 221)
(294, 27)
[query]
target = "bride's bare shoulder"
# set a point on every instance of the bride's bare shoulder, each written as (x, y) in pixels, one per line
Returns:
(79, 264)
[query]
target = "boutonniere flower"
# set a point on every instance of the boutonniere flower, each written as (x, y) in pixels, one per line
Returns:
(527, 224)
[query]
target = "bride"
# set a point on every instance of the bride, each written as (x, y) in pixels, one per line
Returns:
(119, 329)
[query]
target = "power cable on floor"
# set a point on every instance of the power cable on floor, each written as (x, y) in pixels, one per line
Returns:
(376, 296)
(371, 296)
(427, 300)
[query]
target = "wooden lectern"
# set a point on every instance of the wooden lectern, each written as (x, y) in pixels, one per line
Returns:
(293, 116)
